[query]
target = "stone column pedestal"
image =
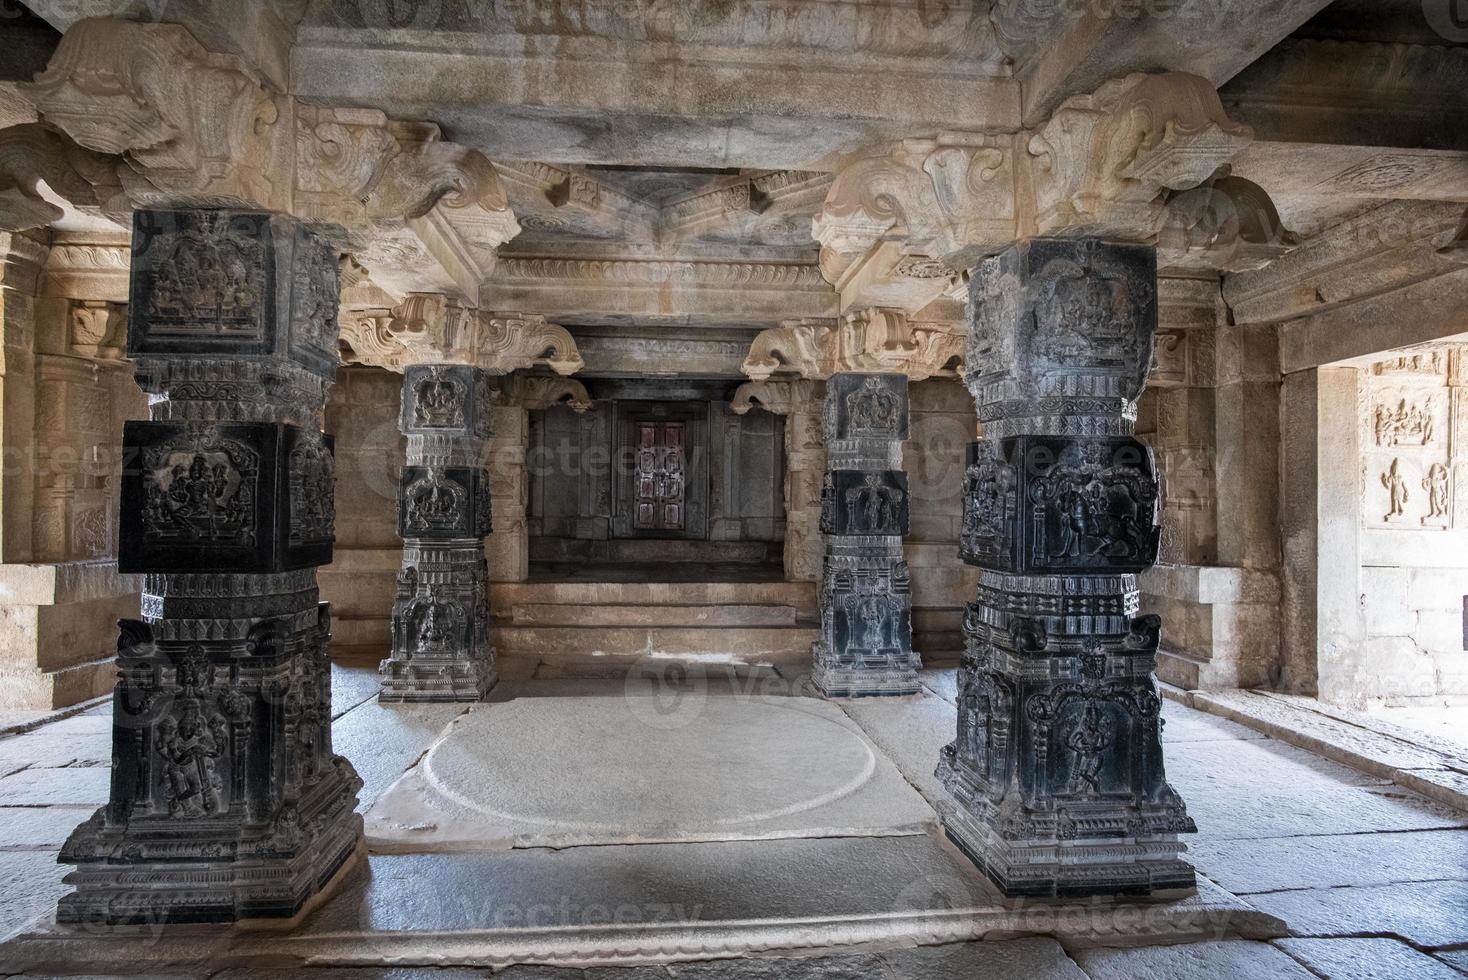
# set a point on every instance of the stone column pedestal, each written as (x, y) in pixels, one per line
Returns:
(226, 799)
(866, 607)
(1056, 775)
(440, 643)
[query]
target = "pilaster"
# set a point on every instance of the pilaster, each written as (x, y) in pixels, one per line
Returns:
(1056, 773)
(226, 798)
(440, 641)
(801, 402)
(866, 604)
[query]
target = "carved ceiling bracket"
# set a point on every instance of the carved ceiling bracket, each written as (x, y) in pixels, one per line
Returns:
(872, 340)
(141, 115)
(432, 328)
(898, 227)
(777, 397)
(538, 393)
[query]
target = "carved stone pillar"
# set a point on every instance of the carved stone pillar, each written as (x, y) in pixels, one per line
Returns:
(1056, 775)
(805, 467)
(440, 639)
(866, 607)
(226, 800)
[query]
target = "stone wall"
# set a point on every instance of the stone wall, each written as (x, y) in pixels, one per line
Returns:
(1414, 526)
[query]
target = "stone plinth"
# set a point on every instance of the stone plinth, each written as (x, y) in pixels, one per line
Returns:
(866, 603)
(1056, 774)
(440, 645)
(226, 798)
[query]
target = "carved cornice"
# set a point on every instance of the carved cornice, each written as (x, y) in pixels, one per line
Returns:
(88, 270)
(875, 340)
(689, 274)
(431, 328)
(179, 126)
(1102, 165)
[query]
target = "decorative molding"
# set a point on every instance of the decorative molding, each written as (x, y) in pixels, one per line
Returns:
(690, 274)
(872, 340)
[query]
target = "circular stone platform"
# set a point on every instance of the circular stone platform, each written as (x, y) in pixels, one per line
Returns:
(559, 770)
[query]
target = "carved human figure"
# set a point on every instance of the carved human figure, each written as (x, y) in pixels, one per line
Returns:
(870, 614)
(877, 505)
(1077, 522)
(873, 408)
(432, 633)
(1090, 736)
(1436, 485)
(1397, 490)
(438, 404)
(189, 747)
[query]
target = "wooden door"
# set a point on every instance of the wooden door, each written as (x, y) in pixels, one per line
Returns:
(661, 477)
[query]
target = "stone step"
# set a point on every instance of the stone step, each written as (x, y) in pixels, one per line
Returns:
(712, 644)
(730, 614)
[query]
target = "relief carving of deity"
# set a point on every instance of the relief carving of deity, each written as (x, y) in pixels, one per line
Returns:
(1095, 511)
(1396, 488)
(873, 408)
(190, 746)
(201, 492)
(312, 491)
(206, 278)
(435, 503)
(1436, 485)
(870, 621)
(874, 507)
(438, 403)
(988, 496)
(1086, 315)
(1090, 734)
(437, 627)
(1404, 425)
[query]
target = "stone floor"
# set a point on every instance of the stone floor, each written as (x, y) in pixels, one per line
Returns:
(1369, 879)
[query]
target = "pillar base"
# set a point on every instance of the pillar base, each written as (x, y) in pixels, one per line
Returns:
(404, 683)
(836, 680)
(159, 869)
(1097, 847)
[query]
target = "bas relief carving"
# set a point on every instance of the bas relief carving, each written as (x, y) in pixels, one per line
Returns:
(201, 490)
(205, 275)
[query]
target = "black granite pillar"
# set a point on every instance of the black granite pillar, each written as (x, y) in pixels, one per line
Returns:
(1056, 774)
(866, 606)
(226, 800)
(440, 645)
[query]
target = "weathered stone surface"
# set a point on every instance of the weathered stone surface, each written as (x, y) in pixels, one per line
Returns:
(46, 752)
(1431, 913)
(383, 742)
(645, 768)
(1250, 866)
(31, 883)
(55, 786)
(1366, 959)
(911, 732)
(1226, 960)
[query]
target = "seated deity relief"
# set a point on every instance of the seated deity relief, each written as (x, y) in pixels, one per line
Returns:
(864, 502)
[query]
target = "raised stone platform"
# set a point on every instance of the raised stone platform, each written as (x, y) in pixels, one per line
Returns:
(673, 766)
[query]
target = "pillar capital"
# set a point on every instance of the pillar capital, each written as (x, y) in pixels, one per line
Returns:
(876, 340)
(140, 115)
(900, 225)
(434, 328)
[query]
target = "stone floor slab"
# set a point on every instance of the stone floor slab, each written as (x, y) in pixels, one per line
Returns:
(1276, 864)
(46, 787)
(44, 750)
(1235, 810)
(645, 769)
(1458, 959)
(384, 740)
(1425, 914)
(1261, 763)
(1366, 959)
(1184, 724)
(39, 827)
(1221, 960)
(30, 884)
(942, 682)
(911, 732)
(354, 681)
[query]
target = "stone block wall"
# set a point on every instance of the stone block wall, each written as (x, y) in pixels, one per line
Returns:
(942, 413)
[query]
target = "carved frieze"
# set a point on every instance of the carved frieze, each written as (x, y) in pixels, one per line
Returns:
(873, 340)
(865, 502)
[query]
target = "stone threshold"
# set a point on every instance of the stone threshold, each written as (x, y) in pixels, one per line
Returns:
(1433, 767)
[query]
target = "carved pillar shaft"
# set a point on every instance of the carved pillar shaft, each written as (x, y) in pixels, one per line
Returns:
(226, 800)
(866, 606)
(1056, 775)
(440, 644)
(805, 468)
